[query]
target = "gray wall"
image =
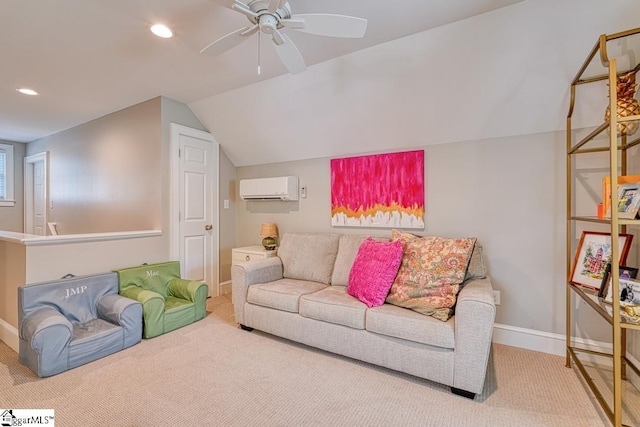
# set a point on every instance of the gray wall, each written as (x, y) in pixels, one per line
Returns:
(104, 175)
(227, 215)
(12, 218)
(507, 192)
(111, 174)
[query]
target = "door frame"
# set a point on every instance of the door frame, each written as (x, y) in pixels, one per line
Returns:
(29, 161)
(174, 211)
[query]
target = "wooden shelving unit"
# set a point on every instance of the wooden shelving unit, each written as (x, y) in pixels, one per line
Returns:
(601, 67)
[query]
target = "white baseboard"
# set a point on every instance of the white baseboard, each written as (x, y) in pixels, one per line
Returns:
(9, 335)
(545, 342)
(225, 287)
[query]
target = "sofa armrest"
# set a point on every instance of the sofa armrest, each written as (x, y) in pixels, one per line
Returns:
(250, 273)
(152, 309)
(143, 296)
(124, 312)
(45, 335)
(41, 320)
(112, 307)
(185, 289)
(191, 290)
(474, 317)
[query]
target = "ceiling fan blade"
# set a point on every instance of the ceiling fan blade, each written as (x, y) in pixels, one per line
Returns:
(242, 8)
(296, 24)
(225, 43)
(289, 54)
(325, 24)
(275, 5)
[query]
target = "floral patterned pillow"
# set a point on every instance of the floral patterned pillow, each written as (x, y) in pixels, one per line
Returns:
(431, 272)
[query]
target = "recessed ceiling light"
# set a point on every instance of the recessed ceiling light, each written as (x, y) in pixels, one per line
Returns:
(27, 91)
(162, 31)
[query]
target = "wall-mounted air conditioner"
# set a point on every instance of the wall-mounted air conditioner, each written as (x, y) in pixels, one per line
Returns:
(276, 188)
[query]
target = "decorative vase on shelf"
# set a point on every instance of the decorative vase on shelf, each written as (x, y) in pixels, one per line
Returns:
(627, 105)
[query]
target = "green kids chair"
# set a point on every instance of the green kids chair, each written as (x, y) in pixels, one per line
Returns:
(168, 302)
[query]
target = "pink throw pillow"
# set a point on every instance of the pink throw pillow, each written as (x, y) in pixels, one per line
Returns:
(374, 270)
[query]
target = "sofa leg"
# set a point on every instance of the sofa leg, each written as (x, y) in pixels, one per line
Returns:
(246, 328)
(463, 393)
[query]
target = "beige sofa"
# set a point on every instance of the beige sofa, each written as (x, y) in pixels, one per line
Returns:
(301, 295)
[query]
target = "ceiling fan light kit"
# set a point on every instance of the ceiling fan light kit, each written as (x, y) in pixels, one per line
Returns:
(269, 17)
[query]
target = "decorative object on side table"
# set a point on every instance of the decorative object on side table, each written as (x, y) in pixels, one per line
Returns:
(592, 256)
(625, 273)
(269, 232)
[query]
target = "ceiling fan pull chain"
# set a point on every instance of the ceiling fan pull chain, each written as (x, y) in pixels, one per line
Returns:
(259, 52)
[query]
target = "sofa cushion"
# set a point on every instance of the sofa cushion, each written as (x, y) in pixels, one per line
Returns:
(476, 268)
(347, 250)
(431, 272)
(374, 270)
(308, 256)
(178, 312)
(93, 340)
(283, 294)
(409, 325)
(334, 305)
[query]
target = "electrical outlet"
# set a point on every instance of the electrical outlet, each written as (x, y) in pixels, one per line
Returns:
(496, 297)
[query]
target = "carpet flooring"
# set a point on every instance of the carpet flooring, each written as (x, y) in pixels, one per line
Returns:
(212, 373)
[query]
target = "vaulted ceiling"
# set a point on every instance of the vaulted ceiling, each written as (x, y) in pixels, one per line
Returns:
(426, 72)
(88, 58)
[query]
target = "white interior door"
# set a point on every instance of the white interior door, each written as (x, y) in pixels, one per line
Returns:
(36, 194)
(195, 180)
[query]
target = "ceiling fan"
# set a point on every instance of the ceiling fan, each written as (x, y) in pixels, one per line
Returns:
(270, 16)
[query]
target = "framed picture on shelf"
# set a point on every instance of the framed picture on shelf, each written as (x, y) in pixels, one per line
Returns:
(606, 188)
(629, 292)
(628, 200)
(592, 256)
(625, 273)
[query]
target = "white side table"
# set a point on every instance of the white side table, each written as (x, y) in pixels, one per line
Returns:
(250, 253)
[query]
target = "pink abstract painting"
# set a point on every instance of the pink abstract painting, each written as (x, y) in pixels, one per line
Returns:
(382, 190)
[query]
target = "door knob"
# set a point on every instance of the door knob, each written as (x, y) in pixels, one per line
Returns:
(208, 227)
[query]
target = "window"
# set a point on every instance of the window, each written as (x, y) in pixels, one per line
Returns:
(6, 175)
